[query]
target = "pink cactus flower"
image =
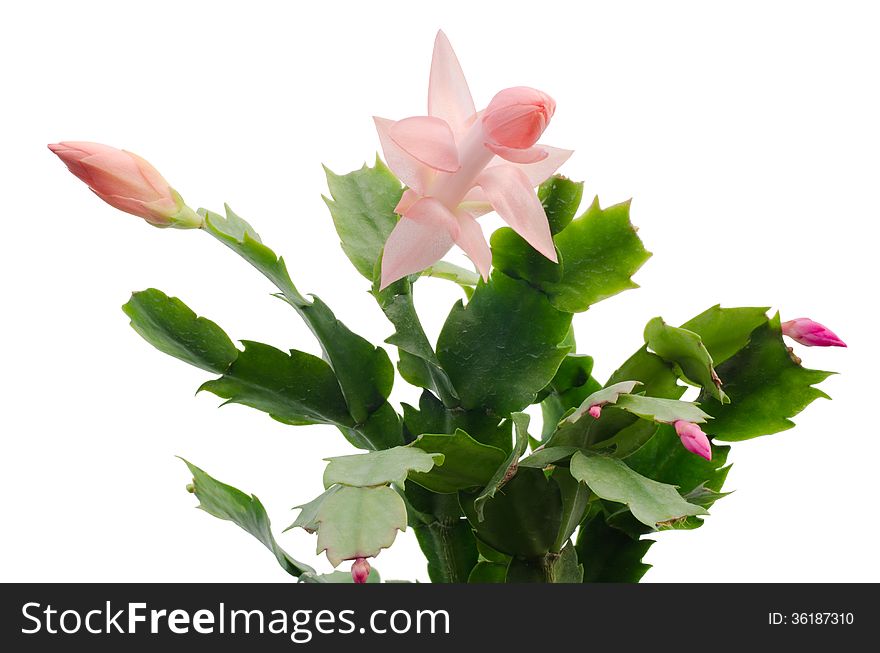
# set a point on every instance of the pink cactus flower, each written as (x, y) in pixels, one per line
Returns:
(360, 570)
(811, 334)
(693, 439)
(128, 183)
(459, 164)
(595, 411)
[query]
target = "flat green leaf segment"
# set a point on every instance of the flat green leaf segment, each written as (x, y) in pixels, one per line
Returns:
(609, 555)
(724, 331)
(508, 468)
(419, 364)
(560, 198)
(663, 411)
(572, 384)
(226, 502)
(607, 395)
(767, 386)
(504, 346)
(294, 388)
(362, 207)
(171, 327)
(686, 351)
(650, 502)
(466, 462)
(364, 372)
(354, 522)
(598, 254)
(379, 467)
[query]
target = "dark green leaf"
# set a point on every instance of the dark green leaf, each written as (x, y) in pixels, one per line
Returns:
(362, 207)
(433, 417)
(450, 548)
(523, 519)
(609, 555)
(467, 463)
(560, 567)
(226, 502)
(508, 468)
(488, 572)
(171, 327)
(568, 389)
(766, 386)
(295, 388)
(504, 346)
(575, 496)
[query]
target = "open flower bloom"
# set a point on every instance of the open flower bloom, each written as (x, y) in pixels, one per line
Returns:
(458, 164)
(693, 439)
(127, 182)
(811, 334)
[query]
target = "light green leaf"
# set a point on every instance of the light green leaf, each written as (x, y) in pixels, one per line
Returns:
(504, 346)
(171, 327)
(379, 467)
(433, 417)
(767, 386)
(686, 351)
(650, 502)
(362, 207)
(295, 388)
(724, 331)
(607, 395)
(308, 512)
(358, 522)
(546, 456)
(570, 386)
(600, 251)
(508, 468)
(466, 462)
(662, 411)
(560, 198)
(226, 502)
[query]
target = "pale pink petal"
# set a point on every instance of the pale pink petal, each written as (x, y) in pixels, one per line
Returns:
(516, 117)
(512, 196)
(427, 139)
(528, 155)
(430, 211)
(412, 247)
(473, 242)
(408, 198)
(115, 172)
(542, 170)
(449, 97)
(408, 169)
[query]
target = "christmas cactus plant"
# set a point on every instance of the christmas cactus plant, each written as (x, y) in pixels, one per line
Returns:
(491, 497)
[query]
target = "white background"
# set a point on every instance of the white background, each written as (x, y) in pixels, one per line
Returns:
(747, 134)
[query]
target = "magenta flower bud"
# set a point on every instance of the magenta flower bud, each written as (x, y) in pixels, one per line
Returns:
(595, 411)
(360, 571)
(811, 334)
(516, 117)
(127, 182)
(693, 439)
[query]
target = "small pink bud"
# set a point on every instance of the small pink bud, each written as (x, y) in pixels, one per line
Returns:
(595, 411)
(128, 183)
(360, 570)
(516, 117)
(811, 334)
(693, 439)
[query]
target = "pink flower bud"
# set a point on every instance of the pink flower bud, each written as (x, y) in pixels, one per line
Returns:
(595, 411)
(360, 570)
(516, 117)
(693, 439)
(811, 334)
(128, 183)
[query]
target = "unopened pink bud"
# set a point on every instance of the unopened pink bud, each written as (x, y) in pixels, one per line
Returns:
(360, 570)
(127, 182)
(516, 117)
(693, 439)
(595, 411)
(812, 334)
